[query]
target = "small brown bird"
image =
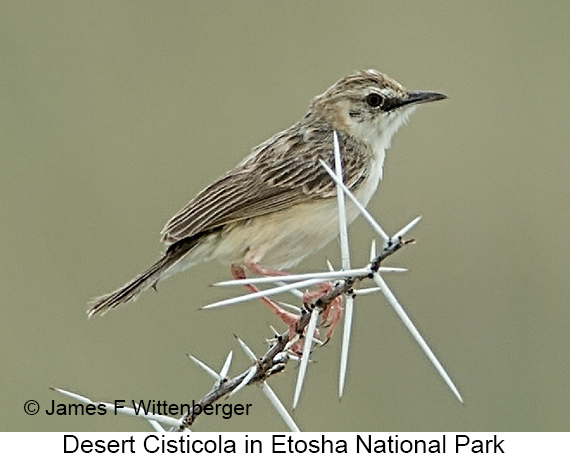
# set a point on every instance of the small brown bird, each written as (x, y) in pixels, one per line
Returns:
(279, 204)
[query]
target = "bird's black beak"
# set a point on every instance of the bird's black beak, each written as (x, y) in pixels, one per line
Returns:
(414, 98)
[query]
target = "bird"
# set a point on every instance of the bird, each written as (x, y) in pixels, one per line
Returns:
(278, 205)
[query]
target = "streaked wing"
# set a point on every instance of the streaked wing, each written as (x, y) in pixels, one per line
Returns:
(280, 173)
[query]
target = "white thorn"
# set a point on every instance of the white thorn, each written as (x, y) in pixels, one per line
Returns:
(416, 334)
(338, 274)
(246, 349)
(305, 357)
(293, 308)
(226, 368)
(373, 254)
(204, 367)
(367, 291)
(375, 226)
(268, 391)
(348, 314)
(342, 223)
(262, 293)
(407, 228)
(245, 381)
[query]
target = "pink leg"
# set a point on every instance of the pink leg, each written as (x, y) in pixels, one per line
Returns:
(261, 270)
(286, 317)
(330, 318)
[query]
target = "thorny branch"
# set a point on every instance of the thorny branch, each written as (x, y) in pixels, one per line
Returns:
(275, 358)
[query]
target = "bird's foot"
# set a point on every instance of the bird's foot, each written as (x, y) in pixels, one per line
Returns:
(332, 314)
(289, 319)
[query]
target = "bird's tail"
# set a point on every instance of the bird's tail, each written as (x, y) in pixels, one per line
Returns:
(143, 281)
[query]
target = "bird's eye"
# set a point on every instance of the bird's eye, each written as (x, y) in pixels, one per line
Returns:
(374, 100)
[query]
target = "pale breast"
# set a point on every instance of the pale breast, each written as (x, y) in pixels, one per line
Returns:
(282, 239)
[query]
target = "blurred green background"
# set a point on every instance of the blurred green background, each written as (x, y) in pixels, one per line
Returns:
(114, 114)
